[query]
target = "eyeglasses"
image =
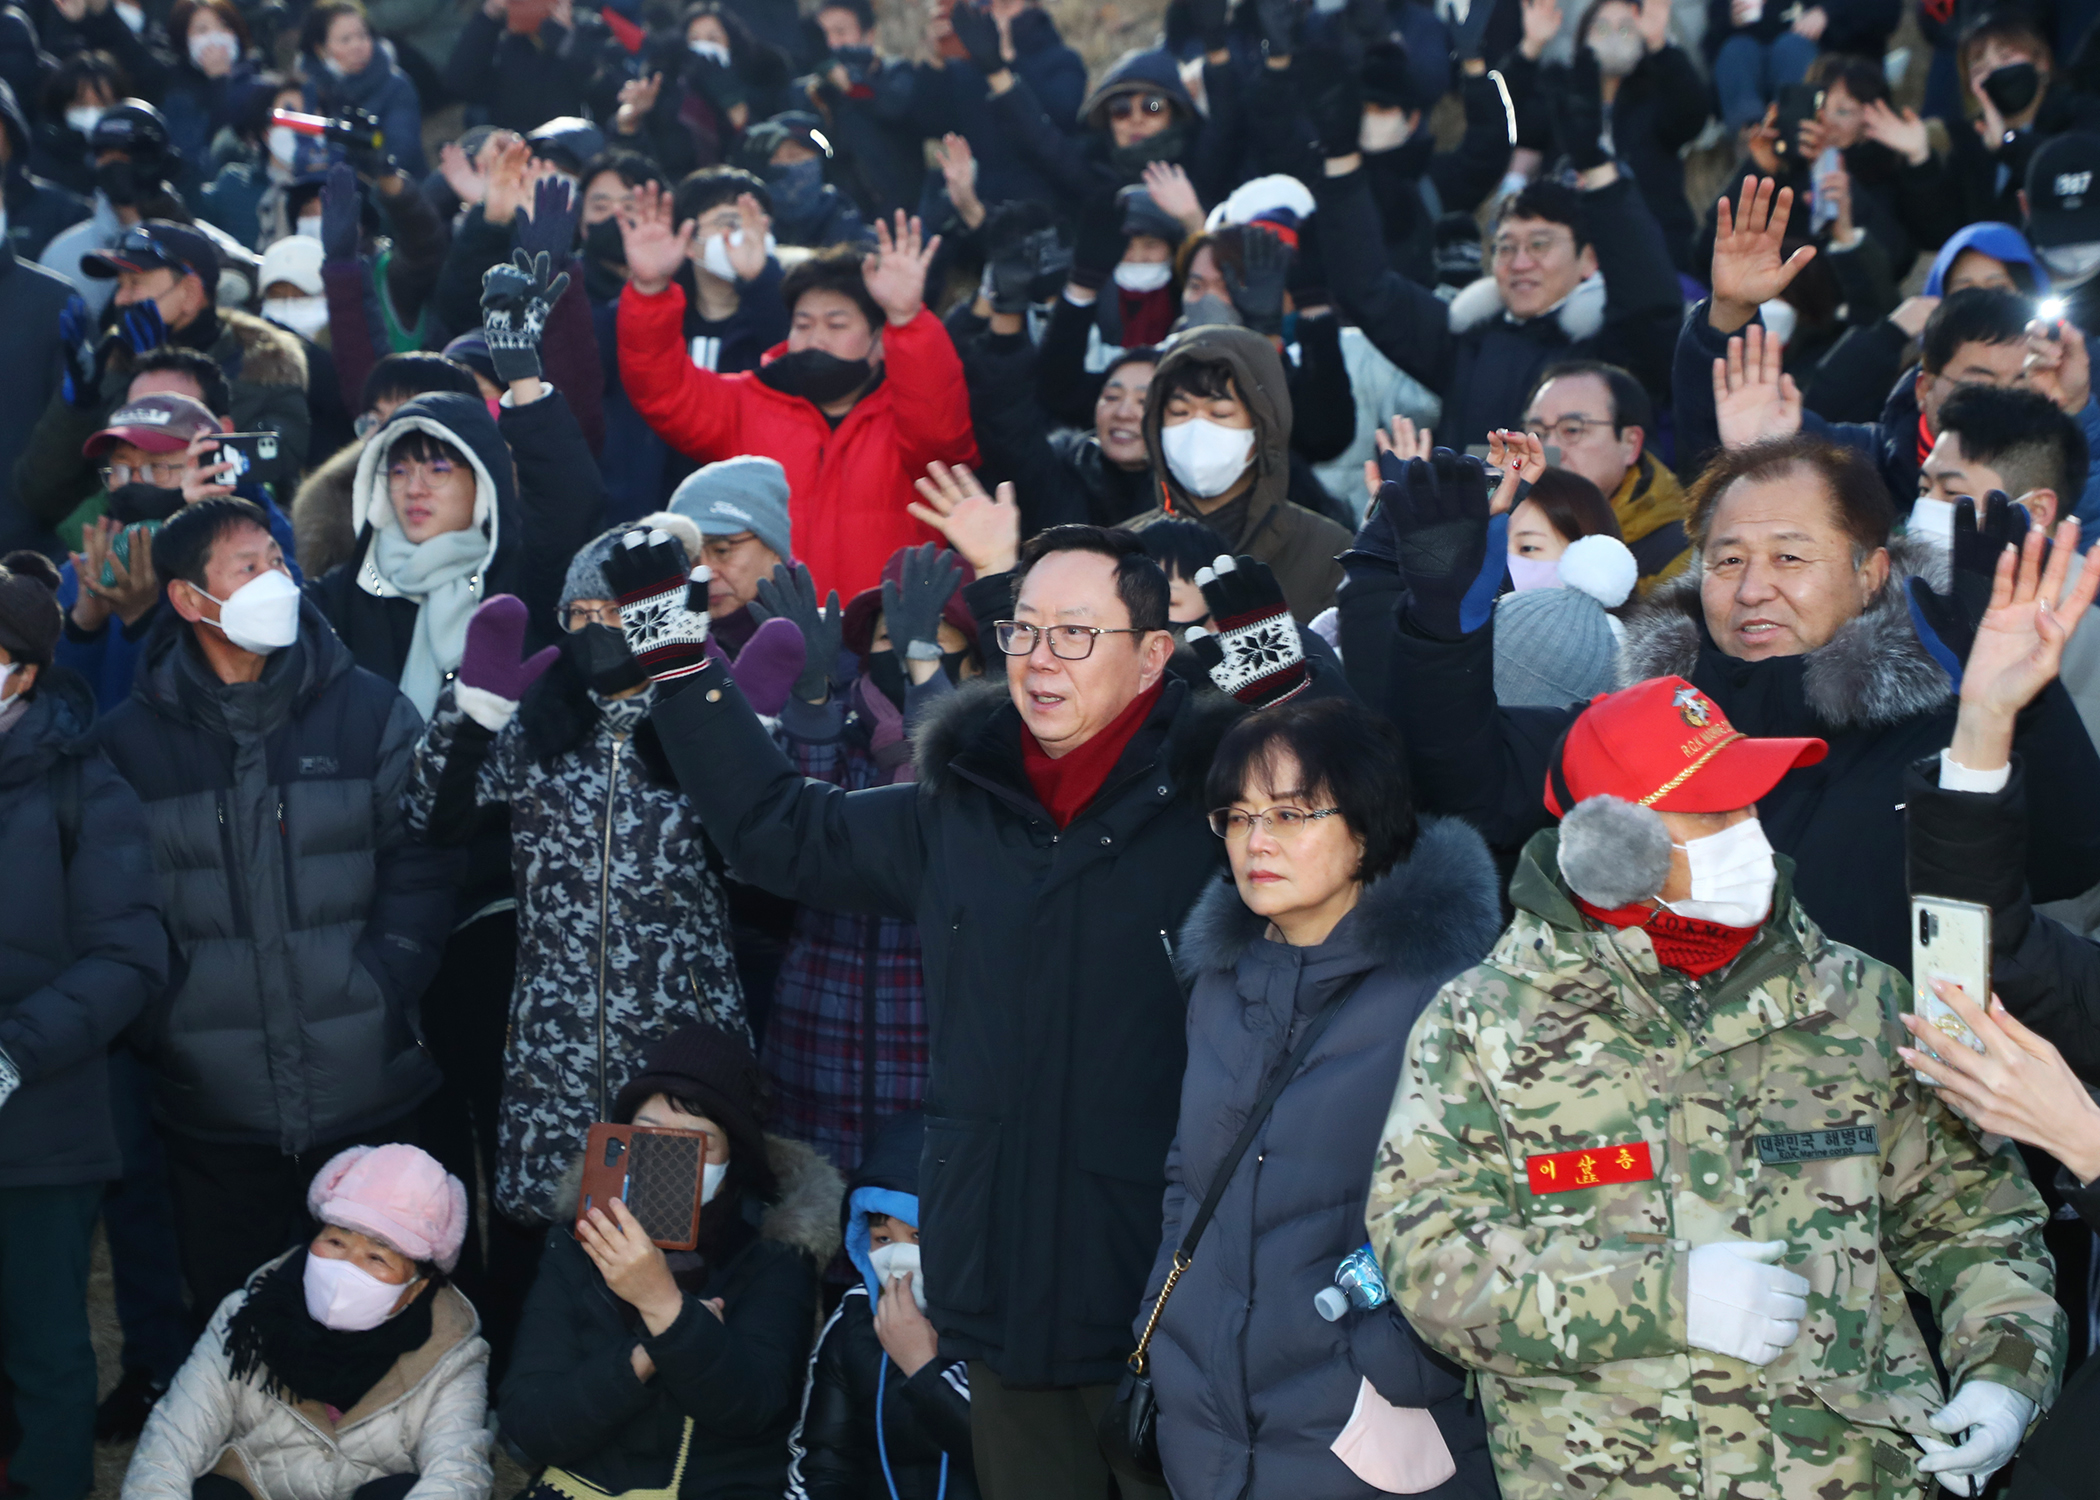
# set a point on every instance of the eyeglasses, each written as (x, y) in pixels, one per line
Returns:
(401, 471)
(1123, 106)
(1067, 642)
(167, 474)
(1537, 246)
(1278, 822)
(1568, 431)
(580, 615)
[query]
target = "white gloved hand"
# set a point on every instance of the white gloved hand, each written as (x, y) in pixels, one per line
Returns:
(1741, 1304)
(1991, 1418)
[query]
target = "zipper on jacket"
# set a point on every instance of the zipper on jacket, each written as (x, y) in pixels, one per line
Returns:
(612, 787)
(241, 924)
(284, 848)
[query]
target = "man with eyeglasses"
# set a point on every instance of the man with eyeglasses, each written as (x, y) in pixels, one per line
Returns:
(1599, 418)
(1054, 840)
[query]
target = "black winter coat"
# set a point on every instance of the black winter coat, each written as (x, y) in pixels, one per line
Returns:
(522, 81)
(571, 1397)
(1871, 692)
(1660, 108)
(31, 299)
(306, 921)
(1056, 1038)
(81, 945)
(1414, 184)
(1253, 1384)
(925, 1419)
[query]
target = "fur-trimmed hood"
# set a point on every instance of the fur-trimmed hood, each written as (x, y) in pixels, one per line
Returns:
(1580, 314)
(806, 1215)
(269, 355)
(323, 522)
(983, 707)
(1436, 913)
(1872, 674)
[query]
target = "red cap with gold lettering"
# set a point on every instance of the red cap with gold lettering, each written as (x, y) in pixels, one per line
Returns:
(1664, 744)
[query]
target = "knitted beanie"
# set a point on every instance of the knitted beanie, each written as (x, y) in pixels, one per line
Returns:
(30, 619)
(748, 493)
(709, 1067)
(1553, 647)
(586, 576)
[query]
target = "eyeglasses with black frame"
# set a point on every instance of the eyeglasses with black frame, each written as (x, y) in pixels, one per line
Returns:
(1124, 105)
(1067, 642)
(1232, 823)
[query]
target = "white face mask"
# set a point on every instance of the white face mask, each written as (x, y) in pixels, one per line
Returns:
(345, 1298)
(208, 47)
(894, 1260)
(310, 226)
(712, 1175)
(307, 315)
(1205, 457)
(283, 143)
(1618, 52)
(714, 254)
(1383, 130)
(82, 117)
(1934, 519)
(2072, 263)
(1732, 876)
(7, 674)
(262, 615)
(712, 51)
(1143, 276)
(1533, 572)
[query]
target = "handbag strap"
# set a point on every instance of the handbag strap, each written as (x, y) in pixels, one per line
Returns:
(1222, 1179)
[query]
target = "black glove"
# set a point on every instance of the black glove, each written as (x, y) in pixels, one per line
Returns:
(86, 355)
(1099, 243)
(1255, 654)
(1451, 552)
(342, 211)
(1308, 278)
(1256, 285)
(791, 594)
(912, 604)
(1278, 21)
(1209, 19)
(1334, 99)
(663, 604)
(1577, 106)
(364, 148)
(515, 301)
(979, 35)
(1011, 272)
(1946, 623)
(550, 231)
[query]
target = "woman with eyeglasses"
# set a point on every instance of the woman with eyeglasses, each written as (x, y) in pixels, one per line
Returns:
(1271, 1379)
(621, 931)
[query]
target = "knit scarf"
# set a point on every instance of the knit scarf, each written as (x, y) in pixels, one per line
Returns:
(440, 576)
(1687, 944)
(1925, 439)
(272, 1334)
(1066, 784)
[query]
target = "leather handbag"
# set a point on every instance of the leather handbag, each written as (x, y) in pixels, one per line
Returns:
(1129, 1424)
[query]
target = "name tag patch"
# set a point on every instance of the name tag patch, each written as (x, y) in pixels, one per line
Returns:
(1819, 1145)
(1596, 1166)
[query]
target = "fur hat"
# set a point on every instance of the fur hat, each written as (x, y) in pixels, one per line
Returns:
(397, 1194)
(1614, 852)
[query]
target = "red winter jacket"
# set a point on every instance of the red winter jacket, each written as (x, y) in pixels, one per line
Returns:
(847, 488)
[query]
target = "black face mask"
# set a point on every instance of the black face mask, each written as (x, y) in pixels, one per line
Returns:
(2013, 87)
(815, 375)
(119, 182)
(600, 656)
(1131, 160)
(132, 503)
(886, 675)
(858, 62)
(602, 242)
(952, 664)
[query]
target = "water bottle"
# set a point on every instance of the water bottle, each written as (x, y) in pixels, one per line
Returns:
(1357, 1283)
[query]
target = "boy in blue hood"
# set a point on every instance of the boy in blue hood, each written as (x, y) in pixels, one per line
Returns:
(856, 1421)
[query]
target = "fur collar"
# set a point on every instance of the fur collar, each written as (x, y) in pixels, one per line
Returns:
(1435, 915)
(954, 723)
(1873, 673)
(269, 355)
(805, 1217)
(322, 524)
(1580, 314)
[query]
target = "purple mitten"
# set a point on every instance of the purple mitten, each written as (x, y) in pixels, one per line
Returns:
(491, 677)
(770, 662)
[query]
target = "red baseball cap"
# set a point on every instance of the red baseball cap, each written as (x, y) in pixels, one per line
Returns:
(163, 422)
(1666, 745)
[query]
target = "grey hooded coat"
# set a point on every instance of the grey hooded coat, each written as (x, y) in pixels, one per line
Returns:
(1253, 1384)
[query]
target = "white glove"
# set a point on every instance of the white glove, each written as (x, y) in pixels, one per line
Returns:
(1991, 1417)
(1741, 1304)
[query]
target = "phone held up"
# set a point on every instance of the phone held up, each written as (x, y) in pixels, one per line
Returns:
(1949, 940)
(657, 1173)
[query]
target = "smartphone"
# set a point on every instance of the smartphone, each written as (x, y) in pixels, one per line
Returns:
(1798, 104)
(252, 454)
(120, 548)
(1949, 940)
(656, 1173)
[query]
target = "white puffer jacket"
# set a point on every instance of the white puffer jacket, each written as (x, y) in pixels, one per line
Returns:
(425, 1416)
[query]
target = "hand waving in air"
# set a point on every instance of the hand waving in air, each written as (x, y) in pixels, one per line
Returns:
(1748, 268)
(654, 248)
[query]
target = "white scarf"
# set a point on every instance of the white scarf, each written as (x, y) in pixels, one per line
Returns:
(444, 576)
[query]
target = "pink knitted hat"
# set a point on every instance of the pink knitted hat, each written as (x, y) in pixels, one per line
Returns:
(398, 1194)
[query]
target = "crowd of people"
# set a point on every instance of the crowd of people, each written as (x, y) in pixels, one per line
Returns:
(995, 646)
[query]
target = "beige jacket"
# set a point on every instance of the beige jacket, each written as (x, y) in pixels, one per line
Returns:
(424, 1416)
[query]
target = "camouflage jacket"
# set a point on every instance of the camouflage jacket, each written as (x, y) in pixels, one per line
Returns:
(1785, 1114)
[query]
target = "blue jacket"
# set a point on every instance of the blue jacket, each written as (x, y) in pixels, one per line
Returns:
(384, 90)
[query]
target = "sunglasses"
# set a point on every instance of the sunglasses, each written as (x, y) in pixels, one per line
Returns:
(1123, 106)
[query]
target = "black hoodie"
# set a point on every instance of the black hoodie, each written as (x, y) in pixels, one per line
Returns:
(37, 208)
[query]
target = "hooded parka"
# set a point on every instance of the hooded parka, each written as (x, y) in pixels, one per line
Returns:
(306, 920)
(1299, 547)
(1253, 1384)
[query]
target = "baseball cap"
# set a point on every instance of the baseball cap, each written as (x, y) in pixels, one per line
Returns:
(295, 258)
(154, 245)
(163, 422)
(1666, 745)
(2063, 190)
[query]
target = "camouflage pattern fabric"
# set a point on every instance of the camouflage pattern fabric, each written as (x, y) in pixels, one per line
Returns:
(1785, 1115)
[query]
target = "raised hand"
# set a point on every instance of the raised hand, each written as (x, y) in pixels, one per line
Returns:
(979, 35)
(515, 302)
(791, 594)
(1174, 194)
(637, 99)
(466, 180)
(2058, 364)
(492, 678)
(2020, 640)
(985, 529)
(1257, 283)
(510, 181)
(653, 248)
(663, 604)
(747, 247)
(1903, 134)
(1811, 22)
(912, 603)
(1255, 654)
(550, 226)
(1521, 456)
(201, 480)
(1748, 269)
(1654, 23)
(959, 172)
(342, 213)
(2018, 1086)
(1277, 22)
(1449, 546)
(1753, 396)
(895, 273)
